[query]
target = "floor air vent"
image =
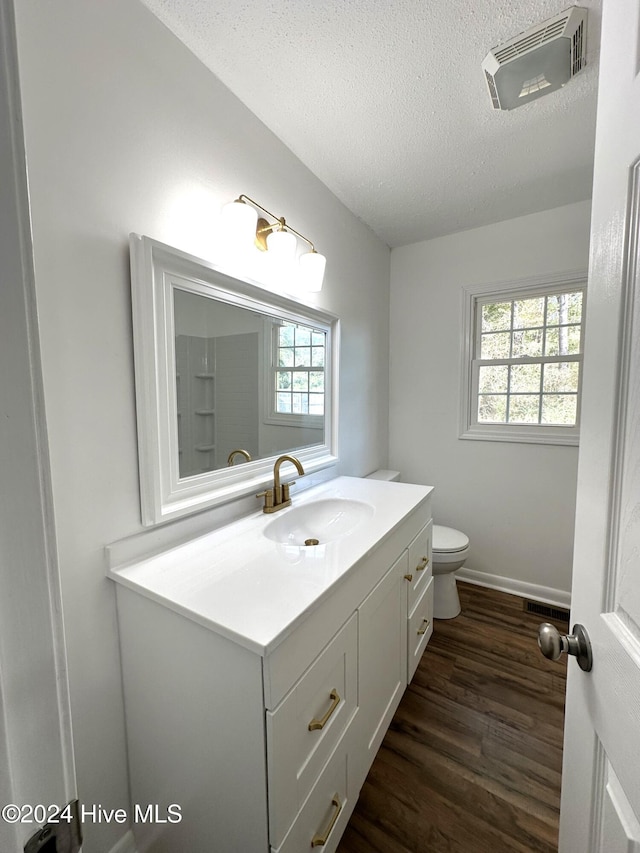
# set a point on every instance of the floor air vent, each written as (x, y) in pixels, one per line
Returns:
(546, 610)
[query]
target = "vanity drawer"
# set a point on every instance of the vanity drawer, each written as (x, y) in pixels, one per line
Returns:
(325, 813)
(305, 727)
(419, 629)
(419, 565)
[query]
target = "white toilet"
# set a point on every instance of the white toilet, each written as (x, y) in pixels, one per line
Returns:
(450, 549)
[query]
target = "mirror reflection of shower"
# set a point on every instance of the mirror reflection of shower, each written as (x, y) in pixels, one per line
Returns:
(244, 380)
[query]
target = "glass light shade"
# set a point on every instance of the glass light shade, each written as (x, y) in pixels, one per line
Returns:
(281, 246)
(312, 266)
(239, 222)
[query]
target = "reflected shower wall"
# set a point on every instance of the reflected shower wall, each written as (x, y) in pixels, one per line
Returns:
(217, 396)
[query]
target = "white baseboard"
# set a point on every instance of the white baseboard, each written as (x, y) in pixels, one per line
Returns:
(127, 844)
(546, 594)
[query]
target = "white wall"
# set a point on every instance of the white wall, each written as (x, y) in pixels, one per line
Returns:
(127, 131)
(516, 502)
(206, 318)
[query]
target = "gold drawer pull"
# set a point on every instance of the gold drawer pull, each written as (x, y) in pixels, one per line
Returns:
(424, 562)
(320, 724)
(425, 627)
(321, 840)
(408, 578)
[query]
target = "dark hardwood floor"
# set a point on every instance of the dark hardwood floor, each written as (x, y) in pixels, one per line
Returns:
(472, 760)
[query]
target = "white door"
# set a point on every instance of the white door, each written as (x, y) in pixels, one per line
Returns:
(600, 810)
(36, 755)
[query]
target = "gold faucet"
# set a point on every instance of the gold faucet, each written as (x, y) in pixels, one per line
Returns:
(234, 453)
(278, 497)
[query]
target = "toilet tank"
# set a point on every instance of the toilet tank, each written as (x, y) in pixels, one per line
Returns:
(384, 474)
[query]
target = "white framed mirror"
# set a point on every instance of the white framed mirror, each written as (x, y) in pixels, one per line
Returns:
(229, 376)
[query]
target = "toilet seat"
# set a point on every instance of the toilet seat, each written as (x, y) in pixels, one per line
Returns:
(448, 540)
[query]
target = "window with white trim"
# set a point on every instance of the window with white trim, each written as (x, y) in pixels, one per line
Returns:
(298, 355)
(524, 363)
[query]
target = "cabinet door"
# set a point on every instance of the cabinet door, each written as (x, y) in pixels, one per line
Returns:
(382, 660)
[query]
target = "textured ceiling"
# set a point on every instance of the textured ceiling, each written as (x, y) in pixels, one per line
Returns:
(385, 101)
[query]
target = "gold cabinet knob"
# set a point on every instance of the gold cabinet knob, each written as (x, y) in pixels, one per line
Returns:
(408, 578)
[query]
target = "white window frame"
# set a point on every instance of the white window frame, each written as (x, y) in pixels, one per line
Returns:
(291, 419)
(472, 297)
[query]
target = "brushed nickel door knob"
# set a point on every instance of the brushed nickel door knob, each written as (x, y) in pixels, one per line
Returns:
(552, 643)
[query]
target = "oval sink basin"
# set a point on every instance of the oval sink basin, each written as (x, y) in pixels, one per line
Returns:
(318, 522)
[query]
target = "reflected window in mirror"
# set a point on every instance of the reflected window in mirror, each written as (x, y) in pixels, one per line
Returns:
(298, 381)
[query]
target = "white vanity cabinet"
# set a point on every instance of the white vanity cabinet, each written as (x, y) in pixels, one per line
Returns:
(265, 748)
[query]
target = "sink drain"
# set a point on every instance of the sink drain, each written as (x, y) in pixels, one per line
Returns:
(311, 541)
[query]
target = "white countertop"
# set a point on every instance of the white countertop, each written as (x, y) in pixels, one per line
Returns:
(238, 583)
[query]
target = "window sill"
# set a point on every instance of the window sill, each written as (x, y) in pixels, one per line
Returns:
(296, 420)
(524, 435)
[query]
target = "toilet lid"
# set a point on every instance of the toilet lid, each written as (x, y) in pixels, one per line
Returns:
(448, 540)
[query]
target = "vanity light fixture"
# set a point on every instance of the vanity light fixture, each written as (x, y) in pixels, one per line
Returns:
(241, 219)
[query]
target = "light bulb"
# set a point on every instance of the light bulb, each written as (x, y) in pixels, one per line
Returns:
(281, 246)
(238, 222)
(312, 266)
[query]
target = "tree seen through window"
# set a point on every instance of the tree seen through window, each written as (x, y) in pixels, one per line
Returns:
(528, 354)
(299, 370)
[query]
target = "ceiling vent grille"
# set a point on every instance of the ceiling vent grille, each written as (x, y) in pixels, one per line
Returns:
(578, 50)
(553, 51)
(493, 91)
(536, 38)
